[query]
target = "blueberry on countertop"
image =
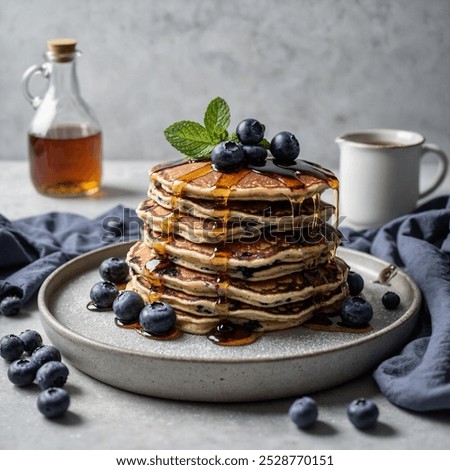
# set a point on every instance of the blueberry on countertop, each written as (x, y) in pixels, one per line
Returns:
(11, 347)
(127, 306)
(356, 311)
(304, 412)
(254, 155)
(53, 402)
(391, 300)
(157, 318)
(285, 147)
(22, 372)
(10, 305)
(52, 374)
(114, 270)
(250, 131)
(103, 294)
(362, 413)
(355, 283)
(227, 156)
(44, 354)
(31, 340)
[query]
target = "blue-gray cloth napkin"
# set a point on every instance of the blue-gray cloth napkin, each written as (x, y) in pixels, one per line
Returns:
(417, 379)
(32, 248)
(419, 243)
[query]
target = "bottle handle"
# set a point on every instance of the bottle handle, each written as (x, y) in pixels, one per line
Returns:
(43, 70)
(442, 170)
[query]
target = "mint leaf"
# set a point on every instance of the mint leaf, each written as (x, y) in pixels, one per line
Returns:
(191, 139)
(217, 117)
(265, 143)
(233, 137)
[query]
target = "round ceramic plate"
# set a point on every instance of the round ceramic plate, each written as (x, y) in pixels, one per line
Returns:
(279, 364)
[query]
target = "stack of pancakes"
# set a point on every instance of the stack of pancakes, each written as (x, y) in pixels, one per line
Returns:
(252, 247)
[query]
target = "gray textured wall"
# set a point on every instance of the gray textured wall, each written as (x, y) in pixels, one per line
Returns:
(317, 68)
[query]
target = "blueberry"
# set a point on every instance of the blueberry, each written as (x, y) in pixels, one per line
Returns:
(285, 147)
(10, 305)
(250, 131)
(31, 340)
(362, 413)
(114, 270)
(356, 311)
(44, 354)
(22, 372)
(355, 283)
(227, 156)
(391, 300)
(303, 412)
(157, 318)
(103, 294)
(127, 306)
(52, 374)
(11, 347)
(254, 155)
(53, 402)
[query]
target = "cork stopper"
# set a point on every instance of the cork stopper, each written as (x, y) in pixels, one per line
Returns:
(62, 49)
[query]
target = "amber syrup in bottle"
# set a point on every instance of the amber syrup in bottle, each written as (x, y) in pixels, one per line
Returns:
(64, 139)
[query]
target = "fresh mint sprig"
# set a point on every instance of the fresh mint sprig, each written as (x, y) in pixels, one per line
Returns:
(197, 141)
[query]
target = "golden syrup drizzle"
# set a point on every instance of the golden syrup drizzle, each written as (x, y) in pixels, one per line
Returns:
(174, 333)
(321, 322)
(154, 278)
(227, 333)
(220, 256)
(293, 173)
(179, 184)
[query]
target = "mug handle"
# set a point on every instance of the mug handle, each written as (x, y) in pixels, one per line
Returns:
(442, 170)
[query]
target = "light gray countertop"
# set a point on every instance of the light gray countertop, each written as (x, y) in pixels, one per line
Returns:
(102, 417)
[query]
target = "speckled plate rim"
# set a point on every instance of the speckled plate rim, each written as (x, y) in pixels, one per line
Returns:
(114, 250)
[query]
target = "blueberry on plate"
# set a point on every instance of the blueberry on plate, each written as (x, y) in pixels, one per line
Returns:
(103, 294)
(254, 155)
(157, 318)
(11, 347)
(114, 270)
(362, 413)
(52, 374)
(356, 311)
(391, 300)
(127, 306)
(355, 283)
(285, 147)
(303, 412)
(250, 131)
(31, 340)
(227, 156)
(22, 372)
(53, 402)
(10, 305)
(44, 354)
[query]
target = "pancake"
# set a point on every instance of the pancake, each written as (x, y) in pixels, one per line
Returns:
(261, 212)
(269, 182)
(199, 315)
(198, 227)
(276, 291)
(257, 258)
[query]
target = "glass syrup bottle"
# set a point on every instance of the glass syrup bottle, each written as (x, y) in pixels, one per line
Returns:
(64, 138)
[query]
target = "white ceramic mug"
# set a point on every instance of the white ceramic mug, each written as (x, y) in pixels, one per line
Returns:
(379, 174)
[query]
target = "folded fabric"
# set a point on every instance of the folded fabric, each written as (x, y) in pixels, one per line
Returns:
(32, 248)
(419, 243)
(417, 379)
